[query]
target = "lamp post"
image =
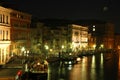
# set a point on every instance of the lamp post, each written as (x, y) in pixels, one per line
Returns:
(46, 49)
(27, 52)
(23, 54)
(62, 46)
(22, 50)
(94, 46)
(62, 49)
(101, 47)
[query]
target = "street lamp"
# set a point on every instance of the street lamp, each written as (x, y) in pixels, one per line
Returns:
(46, 48)
(63, 46)
(27, 52)
(22, 50)
(94, 46)
(61, 54)
(102, 46)
(51, 50)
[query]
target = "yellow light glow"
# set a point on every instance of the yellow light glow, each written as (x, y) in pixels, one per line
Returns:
(4, 45)
(118, 46)
(46, 47)
(101, 45)
(94, 46)
(83, 46)
(51, 50)
(93, 29)
(63, 46)
(93, 25)
(23, 49)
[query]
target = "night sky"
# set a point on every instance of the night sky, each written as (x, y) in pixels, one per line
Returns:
(107, 10)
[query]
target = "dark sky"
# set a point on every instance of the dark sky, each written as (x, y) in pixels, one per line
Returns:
(107, 10)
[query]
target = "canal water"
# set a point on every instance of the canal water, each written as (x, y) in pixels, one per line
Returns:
(102, 66)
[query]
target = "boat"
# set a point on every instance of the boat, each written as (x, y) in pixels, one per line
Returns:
(39, 67)
(39, 70)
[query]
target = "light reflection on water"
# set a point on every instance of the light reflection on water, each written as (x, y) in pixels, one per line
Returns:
(88, 69)
(97, 67)
(119, 67)
(101, 60)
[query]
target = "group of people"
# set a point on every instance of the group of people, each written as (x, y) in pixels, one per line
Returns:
(37, 64)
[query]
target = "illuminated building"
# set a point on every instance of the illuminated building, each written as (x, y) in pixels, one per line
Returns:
(117, 41)
(36, 36)
(20, 32)
(79, 38)
(4, 34)
(108, 38)
(55, 38)
(14, 33)
(102, 35)
(67, 37)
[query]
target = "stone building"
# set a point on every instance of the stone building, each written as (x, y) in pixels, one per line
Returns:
(53, 39)
(4, 34)
(102, 35)
(20, 32)
(14, 33)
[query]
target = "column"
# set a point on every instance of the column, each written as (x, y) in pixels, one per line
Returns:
(0, 34)
(4, 53)
(3, 18)
(0, 55)
(3, 34)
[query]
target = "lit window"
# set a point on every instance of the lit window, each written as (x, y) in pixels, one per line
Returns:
(94, 26)
(7, 19)
(0, 34)
(93, 29)
(6, 34)
(0, 31)
(0, 18)
(3, 34)
(3, 18)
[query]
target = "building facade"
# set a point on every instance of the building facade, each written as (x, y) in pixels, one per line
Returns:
(55, 39)
(75, 37)
(117, 41)
(79, 38)
(36, 37)
(102, 36)
(4, 34)
(14, 33)
(20, 32)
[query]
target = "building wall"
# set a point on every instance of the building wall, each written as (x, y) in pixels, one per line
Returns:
(102, 35)
(20, 32)
(4, 34)
(36, 38)
(79, 38)
(58, 39)
(117, 41)
(14, 32)
(109, 36)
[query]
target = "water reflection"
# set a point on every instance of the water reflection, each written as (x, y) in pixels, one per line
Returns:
(90, 68)
(119, 67)
(98, 67)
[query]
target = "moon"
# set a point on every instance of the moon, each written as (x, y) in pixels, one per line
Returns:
(105, 8)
